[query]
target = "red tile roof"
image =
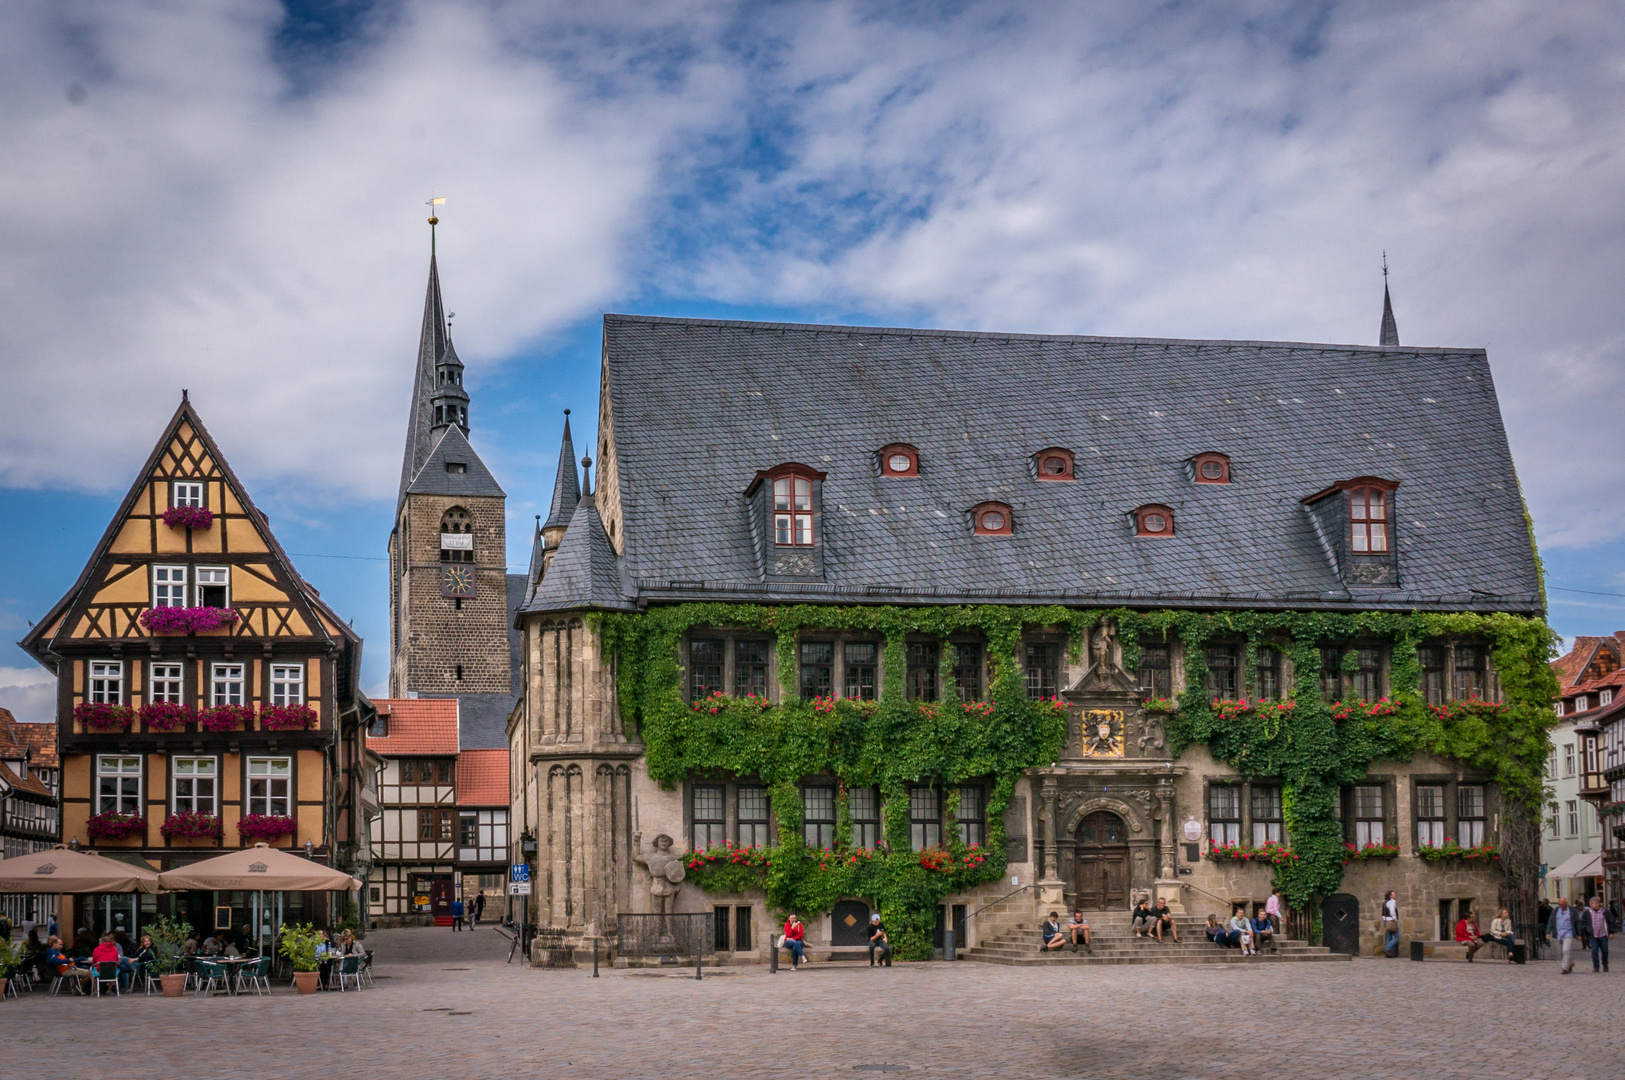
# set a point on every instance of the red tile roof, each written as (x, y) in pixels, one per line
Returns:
(417, 726)
(40, 738)
(482, 778)
(33, 783)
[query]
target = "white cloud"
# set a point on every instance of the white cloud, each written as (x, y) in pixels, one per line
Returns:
(29, 693)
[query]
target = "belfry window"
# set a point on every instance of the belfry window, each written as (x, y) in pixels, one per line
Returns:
(792, 511)
(456, 536)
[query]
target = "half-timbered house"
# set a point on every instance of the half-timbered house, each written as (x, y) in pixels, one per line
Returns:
(206, 696)
(414, 838)
(29, 812)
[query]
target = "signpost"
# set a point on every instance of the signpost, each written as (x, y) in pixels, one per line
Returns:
(519, 879)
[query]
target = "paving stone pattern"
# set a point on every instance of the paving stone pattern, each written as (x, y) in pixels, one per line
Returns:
(1366, 1018)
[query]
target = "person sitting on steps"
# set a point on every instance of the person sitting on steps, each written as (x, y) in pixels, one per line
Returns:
(1164, 921)
(1053, 938)
(1263, 931)
(1140, 923)
(1243, 927)
(1079, 929)
(1217, 934)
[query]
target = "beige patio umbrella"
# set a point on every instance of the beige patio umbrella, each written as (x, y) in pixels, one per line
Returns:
(63, 870)
(261, 868)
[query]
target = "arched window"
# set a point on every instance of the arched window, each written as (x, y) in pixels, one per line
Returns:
(1154, 521)
(1368, 520)
(793, 510)
(992, 519)
(457, 536)
(1211, 468)
(1054, 463)
(899, 459)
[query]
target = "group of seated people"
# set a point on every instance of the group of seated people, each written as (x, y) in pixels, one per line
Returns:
(1501, 933)
(53, 958)
(1241, 932)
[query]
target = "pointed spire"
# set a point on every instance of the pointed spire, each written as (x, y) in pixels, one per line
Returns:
(566, 492)
(432, 342)
(1390, 329)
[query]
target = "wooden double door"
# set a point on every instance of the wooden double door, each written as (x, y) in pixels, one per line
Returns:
(1102, 862)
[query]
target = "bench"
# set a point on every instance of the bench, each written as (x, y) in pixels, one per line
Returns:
(1450, 950)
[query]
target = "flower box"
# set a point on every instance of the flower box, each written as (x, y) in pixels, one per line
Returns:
(114, 826)
(266, 827)
(1454, 710)
(942, 861)
(1484, 853)
(718, 702)
(1372, 851)
(287, 718)
(188, 517)
(1364, 710)
(1227, 709)
(164, 716)
(1272, 853)
(188, 825)
(103, 716)
(186, 620)
(1166, 705)
(225, 718)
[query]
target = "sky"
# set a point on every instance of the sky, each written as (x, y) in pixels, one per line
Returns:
(229, 198)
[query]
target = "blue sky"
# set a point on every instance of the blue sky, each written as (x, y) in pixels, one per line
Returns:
(229, 198)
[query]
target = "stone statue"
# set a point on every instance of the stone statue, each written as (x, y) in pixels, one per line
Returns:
(666, 870)
(1100, 647)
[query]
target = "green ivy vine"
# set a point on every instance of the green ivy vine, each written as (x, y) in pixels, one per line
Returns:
(894, 742)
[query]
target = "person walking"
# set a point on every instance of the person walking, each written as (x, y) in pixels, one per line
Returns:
(1562, 929)
(878, 942)
(1602, 925)
(794, 935)
(1390, 924)
(479, 908)
(457, 914)
(1272, 909)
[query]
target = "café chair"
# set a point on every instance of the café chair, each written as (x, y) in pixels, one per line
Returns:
(257, 974)
(348, 968)
(107, 974)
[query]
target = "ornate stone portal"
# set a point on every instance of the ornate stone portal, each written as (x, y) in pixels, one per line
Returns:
(1105, 815)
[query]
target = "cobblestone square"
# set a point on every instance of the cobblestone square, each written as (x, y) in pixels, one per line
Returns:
(446, 1005)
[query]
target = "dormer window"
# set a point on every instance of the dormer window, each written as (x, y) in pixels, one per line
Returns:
(1154, 521)
(992, 519)
(1211, 468)
(457, 467)
(1368, 520)
(792, 511)
(1054, 463)
(899, 459)
(1581, 704)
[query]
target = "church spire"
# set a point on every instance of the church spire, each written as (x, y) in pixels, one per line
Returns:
(438, 398)
(566, 490)
(1390, 329)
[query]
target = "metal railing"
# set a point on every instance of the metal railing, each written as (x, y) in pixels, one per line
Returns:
(676, 934)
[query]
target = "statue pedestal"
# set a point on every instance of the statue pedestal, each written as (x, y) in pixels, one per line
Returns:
(1172, 891)
(1051, 894)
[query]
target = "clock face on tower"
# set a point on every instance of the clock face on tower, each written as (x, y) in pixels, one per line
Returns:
(457, 580)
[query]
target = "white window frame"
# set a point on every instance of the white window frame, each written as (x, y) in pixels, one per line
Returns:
(169, 579)
(125, 771)
(192, 770)
(104, 682)
(1580, 703)
(1573, 808)
(171, 677)
(186, 493)
(1557, 707)
(1370, 830)
(1430, 829)
(1605, 697)
(266, 772)
(1568, 759)
(287, 684)
(221, 680)
(219, 577)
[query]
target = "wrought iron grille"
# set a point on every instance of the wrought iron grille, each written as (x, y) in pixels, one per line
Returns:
(676, 935)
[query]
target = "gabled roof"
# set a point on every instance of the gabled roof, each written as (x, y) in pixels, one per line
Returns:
(417, 726)
(37, 739)
(1570, 668)
(453, 448)
(482, 778)
(585, 572)
(700, 406)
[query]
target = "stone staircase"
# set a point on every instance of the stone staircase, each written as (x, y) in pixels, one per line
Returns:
(1114, 943)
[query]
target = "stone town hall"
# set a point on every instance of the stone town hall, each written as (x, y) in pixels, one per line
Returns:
(930, 617)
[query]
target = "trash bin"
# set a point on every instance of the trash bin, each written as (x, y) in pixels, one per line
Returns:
(1416, 950)
(1520, 953)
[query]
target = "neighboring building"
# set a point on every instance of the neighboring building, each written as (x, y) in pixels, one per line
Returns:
(791, 467)
(414, 837)
(202, 681)
(1590, 761)
(30, 815)
(482, 827)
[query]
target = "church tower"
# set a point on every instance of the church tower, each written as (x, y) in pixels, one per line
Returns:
(448, 599)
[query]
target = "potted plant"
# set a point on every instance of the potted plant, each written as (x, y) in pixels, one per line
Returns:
(298, 944)
(11, 958)
(168, 945)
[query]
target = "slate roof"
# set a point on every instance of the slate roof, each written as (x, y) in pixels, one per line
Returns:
(701, 405)
(433, 479)
(585, 572)
(432, 341)
(482, 778)
(566, 488)
(417, 726)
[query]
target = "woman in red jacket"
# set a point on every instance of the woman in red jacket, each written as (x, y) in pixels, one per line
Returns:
(793, 934)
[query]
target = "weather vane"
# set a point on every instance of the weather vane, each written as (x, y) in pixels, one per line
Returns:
(434, 219)
(1384, 262)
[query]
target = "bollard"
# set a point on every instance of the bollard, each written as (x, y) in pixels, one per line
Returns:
(595, 958)
(948, 944)
(772, 953)
(699, 948)
(1416, 950)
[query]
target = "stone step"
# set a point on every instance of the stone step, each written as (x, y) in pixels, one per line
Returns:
(994, 949)
(1227, 956)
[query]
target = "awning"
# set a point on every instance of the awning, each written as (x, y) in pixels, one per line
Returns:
(62, 870)
(1579, 866)
(259, 868)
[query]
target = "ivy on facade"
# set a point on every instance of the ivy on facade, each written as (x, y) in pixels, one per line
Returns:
(1311, 749)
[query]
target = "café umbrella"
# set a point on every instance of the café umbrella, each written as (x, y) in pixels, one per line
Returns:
(261, 868)
(63, 870)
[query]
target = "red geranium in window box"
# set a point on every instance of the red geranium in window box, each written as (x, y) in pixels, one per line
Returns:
(266, 827)
(186, 620)
(114, 825)
(287, 718)
(225, 718)
(189, 824)
(103, 716)
(164, 716)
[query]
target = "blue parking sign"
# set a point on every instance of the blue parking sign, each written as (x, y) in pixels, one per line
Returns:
(519, 872)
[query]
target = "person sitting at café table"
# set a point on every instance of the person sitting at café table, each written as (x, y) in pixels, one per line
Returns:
(349, 946)
(326, 953)
(61, 963)
(1163, 921)
(146, 954)
(106, 952)
(1467, 934)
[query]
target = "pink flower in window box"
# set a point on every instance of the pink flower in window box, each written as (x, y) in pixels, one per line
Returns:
(114, 826)
(189, 824)
(225, 718)
(103, 716)
(188, 517)
(268, 828)
(164, 716)
(287, 718)
(186, 620)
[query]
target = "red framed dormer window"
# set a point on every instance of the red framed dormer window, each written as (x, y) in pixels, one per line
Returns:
(1211, 468)
(899, 459)
(1154, 521)
(1053, 463)
(992, 519)
(1368, 520)
(793, 510)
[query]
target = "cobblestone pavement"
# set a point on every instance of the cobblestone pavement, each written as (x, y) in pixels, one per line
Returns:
(446, 1006)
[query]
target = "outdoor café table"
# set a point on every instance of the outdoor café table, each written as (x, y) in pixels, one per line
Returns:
(232, 964)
